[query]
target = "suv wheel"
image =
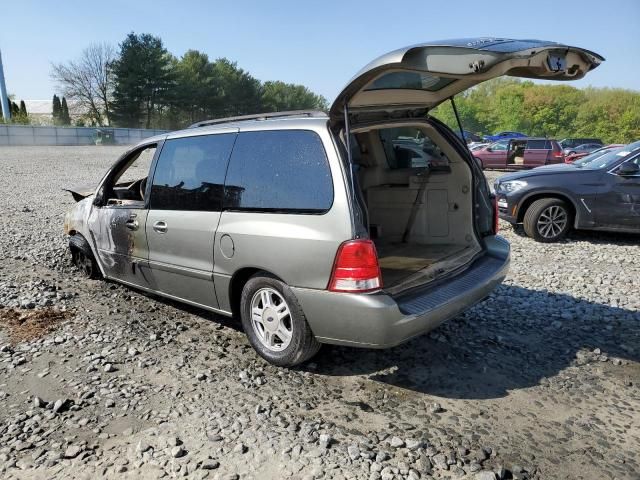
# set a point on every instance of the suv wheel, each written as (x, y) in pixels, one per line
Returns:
(547, 220)
(275, 323)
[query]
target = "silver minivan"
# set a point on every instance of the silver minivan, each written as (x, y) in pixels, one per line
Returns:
(364, 227)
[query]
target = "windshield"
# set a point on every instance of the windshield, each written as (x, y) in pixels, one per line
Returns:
(606, 160)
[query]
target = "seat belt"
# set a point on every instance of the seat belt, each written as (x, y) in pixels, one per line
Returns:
(415, 207)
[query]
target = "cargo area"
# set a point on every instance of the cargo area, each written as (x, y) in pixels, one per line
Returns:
(418, 195)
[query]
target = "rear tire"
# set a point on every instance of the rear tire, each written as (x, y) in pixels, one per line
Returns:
(275, 323)
(547, 220)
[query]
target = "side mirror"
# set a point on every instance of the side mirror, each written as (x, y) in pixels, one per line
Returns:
(489, 149)
(628, 169)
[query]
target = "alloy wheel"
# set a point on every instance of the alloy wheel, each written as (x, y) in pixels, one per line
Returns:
(271, 319)
(552, 221)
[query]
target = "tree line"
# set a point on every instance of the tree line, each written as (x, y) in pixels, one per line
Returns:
(144, 85)
(18, 112)
(554, 111)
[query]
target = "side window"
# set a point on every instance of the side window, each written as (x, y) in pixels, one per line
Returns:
(279, 170)
(137, 167)
(190, 173)
(499, 146)
(127, 184)
(408, 147)
(536, 144)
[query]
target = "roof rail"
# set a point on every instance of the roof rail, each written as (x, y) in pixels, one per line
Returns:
(260, 116)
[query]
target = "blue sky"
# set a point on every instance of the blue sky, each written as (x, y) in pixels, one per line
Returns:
(320, 44)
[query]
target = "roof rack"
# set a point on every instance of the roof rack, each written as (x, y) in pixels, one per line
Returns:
(260, 116)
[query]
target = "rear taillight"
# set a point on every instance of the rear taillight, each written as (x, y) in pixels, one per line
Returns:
(496, 217)
(356, 268)
(557, 152)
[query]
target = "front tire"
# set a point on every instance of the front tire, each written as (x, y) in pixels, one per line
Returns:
(82, 257)
(547, 220)
(275, 323)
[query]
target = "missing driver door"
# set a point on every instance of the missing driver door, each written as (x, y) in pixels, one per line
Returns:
(118, 221)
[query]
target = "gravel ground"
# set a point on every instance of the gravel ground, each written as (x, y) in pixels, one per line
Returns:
(540, 381)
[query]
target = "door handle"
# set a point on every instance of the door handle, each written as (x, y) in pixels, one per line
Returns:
(132, 224)
(160, 227)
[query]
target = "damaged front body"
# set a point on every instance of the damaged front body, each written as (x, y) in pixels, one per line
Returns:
(109, 220)
(111, 224)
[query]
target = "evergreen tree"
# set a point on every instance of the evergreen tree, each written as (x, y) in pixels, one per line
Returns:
(280, 96)
(57, 110)
(23, 109)
(65, 118)
(143, 79)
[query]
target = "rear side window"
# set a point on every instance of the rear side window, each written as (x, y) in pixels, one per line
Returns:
(538, 145)
(279, 170)
(190, 173)
(408, 147)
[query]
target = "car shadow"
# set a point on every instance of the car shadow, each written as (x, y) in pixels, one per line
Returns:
(602, 237)
(221, 321)
(597, 237)
(513, 340)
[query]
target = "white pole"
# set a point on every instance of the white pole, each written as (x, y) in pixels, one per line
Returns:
(3, 93)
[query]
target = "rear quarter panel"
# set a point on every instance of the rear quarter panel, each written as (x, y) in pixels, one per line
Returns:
(297, 248)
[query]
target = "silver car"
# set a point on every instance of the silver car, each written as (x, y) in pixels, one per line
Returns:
(365, 227)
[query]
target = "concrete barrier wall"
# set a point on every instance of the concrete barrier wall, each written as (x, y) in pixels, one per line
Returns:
(34, 135)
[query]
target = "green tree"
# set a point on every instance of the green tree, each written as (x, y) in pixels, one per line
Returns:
(280, 96)
(65, 118)
(143, 77)
(19, 113)
(555, 111)
(239, 92)
(196, 88)
(56, 110)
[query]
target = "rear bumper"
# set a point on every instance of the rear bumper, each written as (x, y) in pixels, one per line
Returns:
(379, 320)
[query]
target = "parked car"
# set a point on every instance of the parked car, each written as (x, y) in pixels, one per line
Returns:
(595, 155)
(574, 142)
(312, 228)
(504, 136)
(584, 148)
(575, 156)
(519, 153)
(600, 194)
(469, 137)
(477, 145)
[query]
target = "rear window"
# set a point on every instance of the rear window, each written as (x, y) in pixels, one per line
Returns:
(280, 170)
(408, 147)
(190, 173)
(409, 81)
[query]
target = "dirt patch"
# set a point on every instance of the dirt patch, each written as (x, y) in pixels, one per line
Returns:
(25, 325)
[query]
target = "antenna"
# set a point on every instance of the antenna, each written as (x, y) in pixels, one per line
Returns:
(6, 113)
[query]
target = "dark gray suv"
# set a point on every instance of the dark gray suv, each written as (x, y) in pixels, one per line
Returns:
(365, 227)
